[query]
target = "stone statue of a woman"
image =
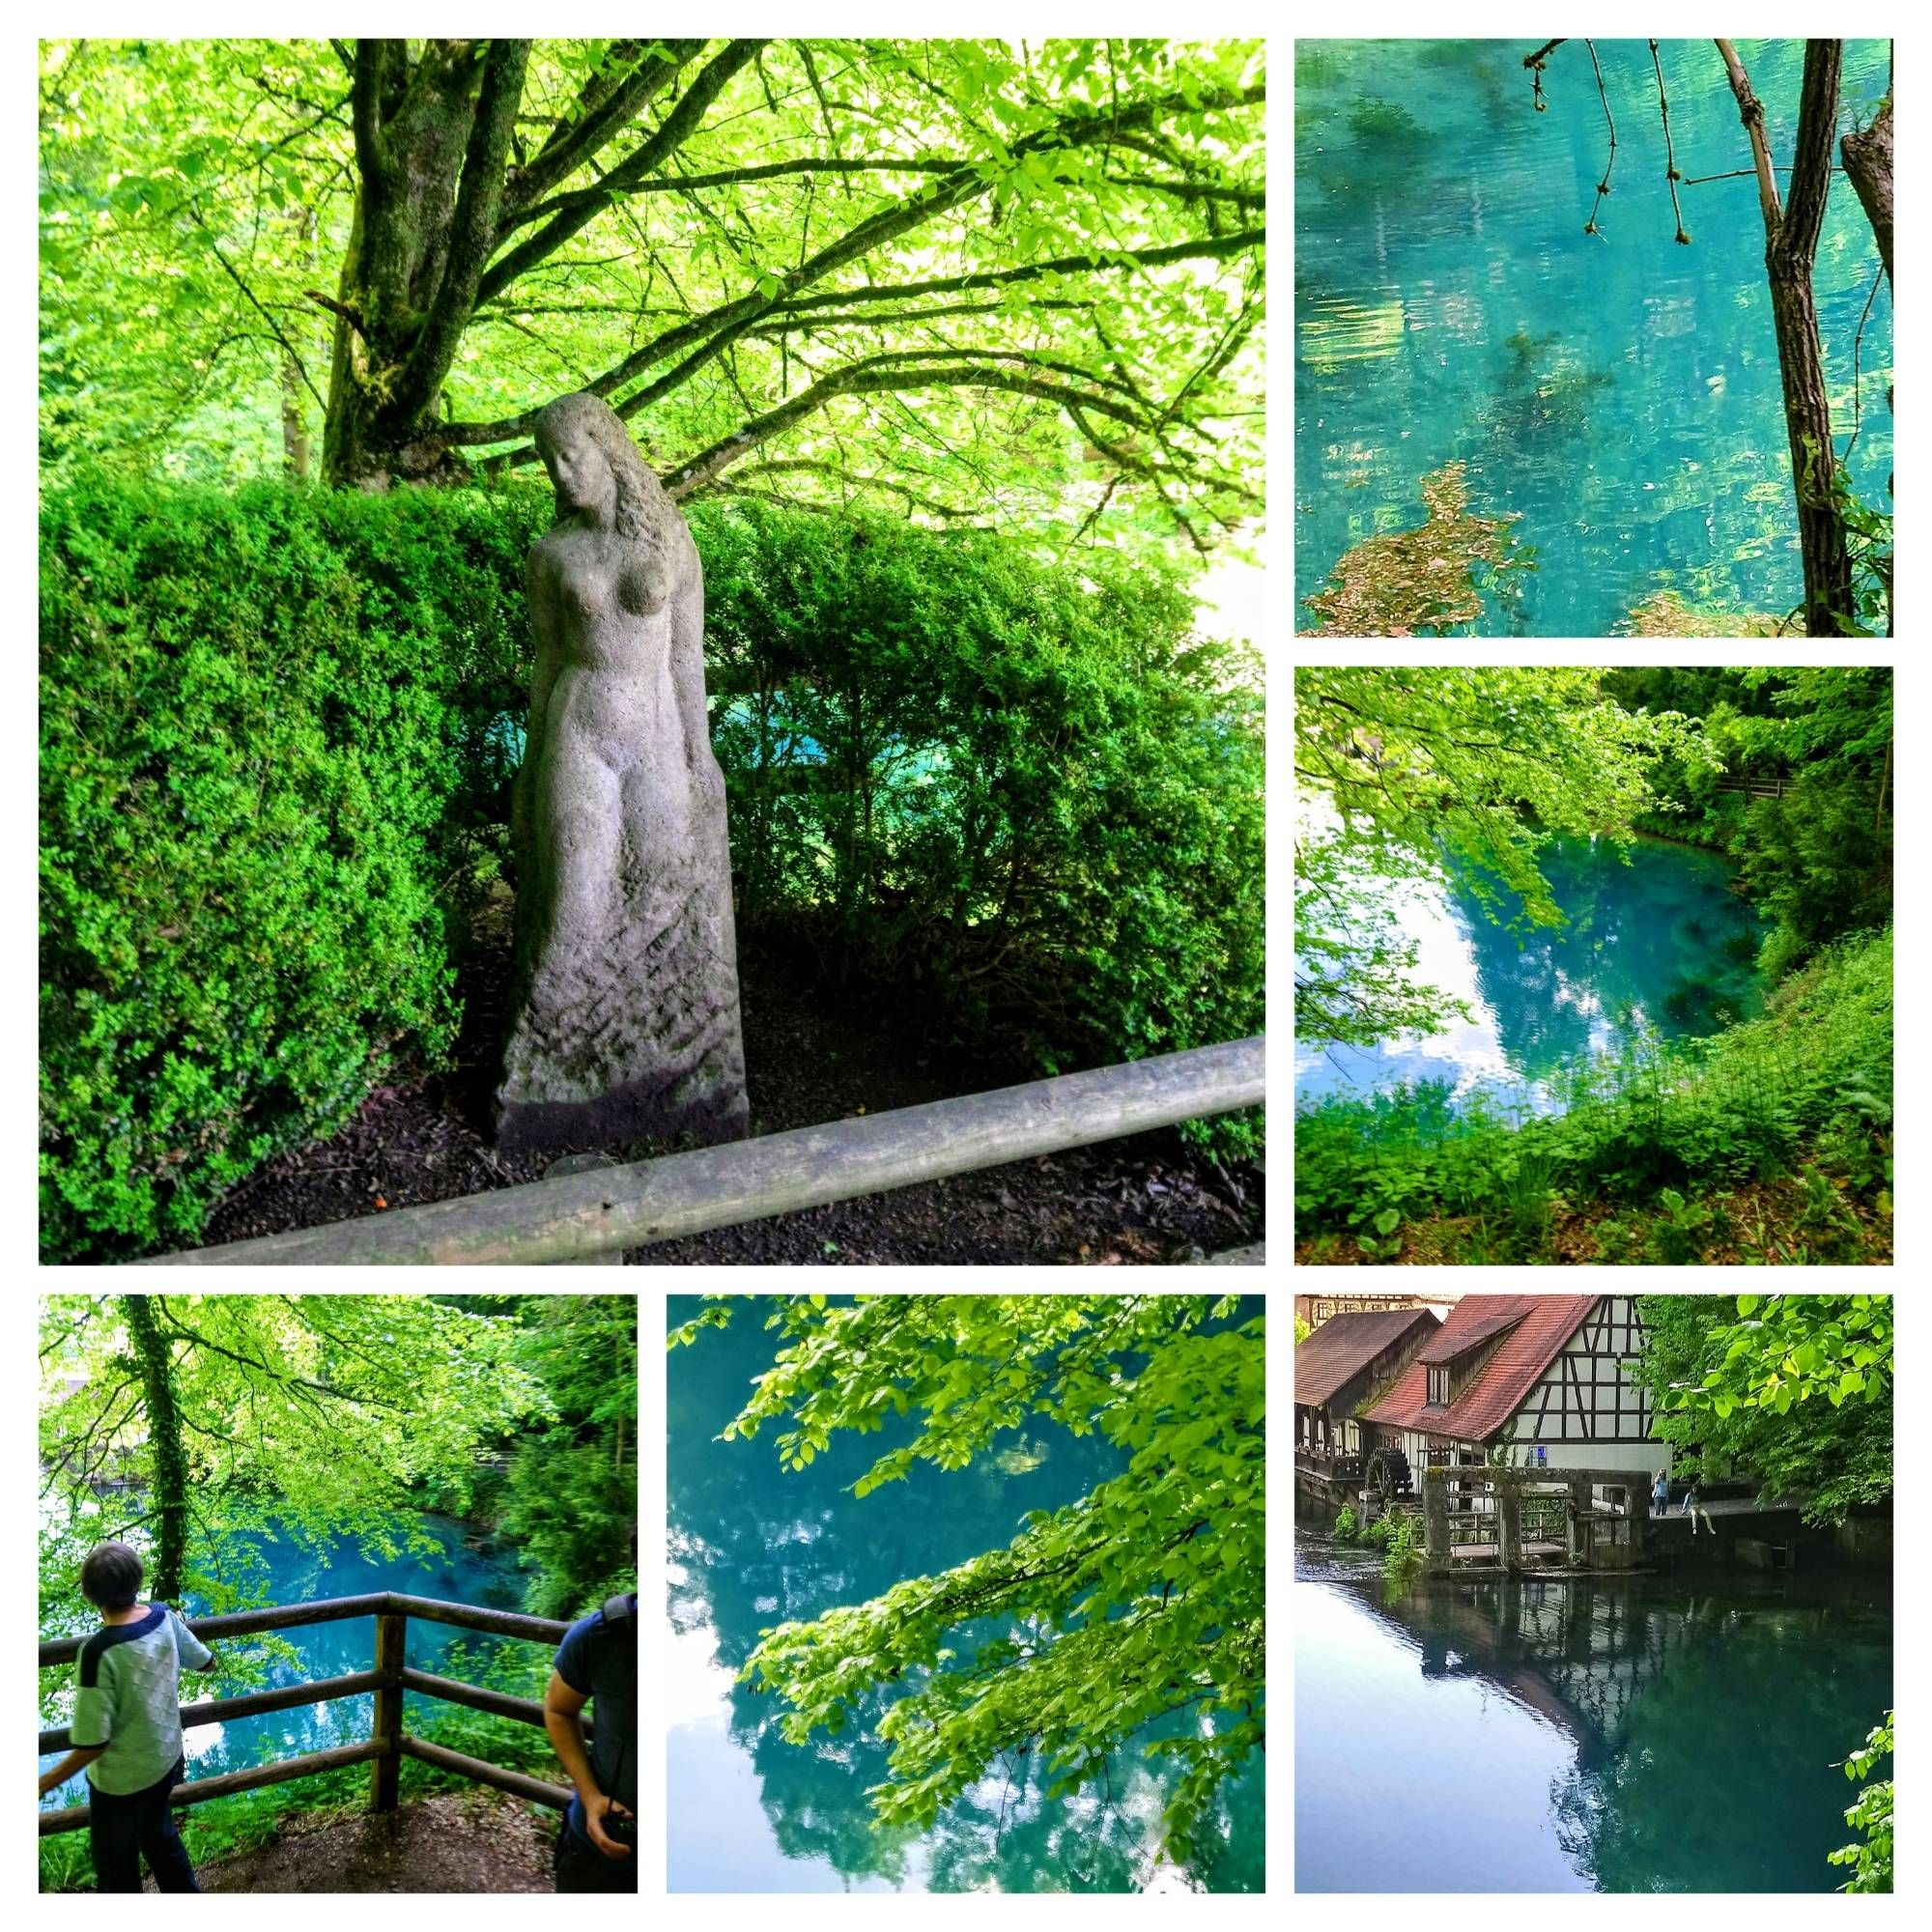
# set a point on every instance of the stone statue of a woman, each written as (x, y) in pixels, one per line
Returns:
(624, 1014)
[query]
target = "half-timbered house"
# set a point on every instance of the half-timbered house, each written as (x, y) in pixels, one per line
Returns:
(1347, 1362)
(1325, 1305)
(1525, 1381)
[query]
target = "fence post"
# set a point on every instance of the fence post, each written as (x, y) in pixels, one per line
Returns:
(1435, 1516)
(1509, 1519)
(391, 1644)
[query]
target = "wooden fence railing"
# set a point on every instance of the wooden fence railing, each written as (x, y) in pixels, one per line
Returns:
(388, 1744)
(580, 1216)
(1755, 788)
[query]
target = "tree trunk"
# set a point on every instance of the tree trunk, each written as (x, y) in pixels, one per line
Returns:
(1807, 420)
(432, 134)
(164, 1444)
(1868, 163)
(297, 446)
(294, 432)
(1790, 253)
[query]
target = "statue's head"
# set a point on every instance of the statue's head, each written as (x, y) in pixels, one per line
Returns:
(593, 464)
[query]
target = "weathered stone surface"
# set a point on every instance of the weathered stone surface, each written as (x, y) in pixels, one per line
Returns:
(625, 1008)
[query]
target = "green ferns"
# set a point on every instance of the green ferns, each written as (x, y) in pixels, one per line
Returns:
(1811, 1077)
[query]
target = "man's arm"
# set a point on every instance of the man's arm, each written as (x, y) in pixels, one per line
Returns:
(75, 1760)
(561, 1705)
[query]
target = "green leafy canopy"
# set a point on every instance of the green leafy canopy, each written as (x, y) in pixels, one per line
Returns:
(1404, 771)
(1796, 1389)
(1141, 1600)
(1019, 283)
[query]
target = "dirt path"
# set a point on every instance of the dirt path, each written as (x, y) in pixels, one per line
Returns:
(810, 1056)
(463, 1842)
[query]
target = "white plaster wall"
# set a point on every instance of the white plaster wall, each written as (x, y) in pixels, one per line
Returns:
(1649, 1456)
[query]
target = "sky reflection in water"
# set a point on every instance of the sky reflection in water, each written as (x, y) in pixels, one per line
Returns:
(1659, 944)
(1653, 1735)
(753, 1545)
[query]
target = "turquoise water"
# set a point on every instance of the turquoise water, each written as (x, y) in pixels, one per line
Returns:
(1659, 944)
(288, 1575)
(751, 1546)
(1619, 393)
(1537, 1735)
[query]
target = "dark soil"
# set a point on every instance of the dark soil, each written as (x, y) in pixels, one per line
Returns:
(465, 1841)
(812, 1054)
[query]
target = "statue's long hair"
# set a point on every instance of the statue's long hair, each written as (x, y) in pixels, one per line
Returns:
(643, 511)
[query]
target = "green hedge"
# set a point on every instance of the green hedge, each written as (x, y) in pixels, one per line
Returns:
(1022, 796)
(259, 730)
(273, 743)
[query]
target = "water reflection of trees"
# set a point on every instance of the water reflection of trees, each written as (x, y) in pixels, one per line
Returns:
(759, 1548)
(1670, 1791)
(1655, 941)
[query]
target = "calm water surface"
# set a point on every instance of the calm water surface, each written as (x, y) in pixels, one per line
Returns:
(1658, 1735)
(1620, 394)
(453, 1572)
(1661, 943)
(753, 1545)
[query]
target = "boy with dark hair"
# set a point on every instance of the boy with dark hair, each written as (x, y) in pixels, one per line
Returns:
(597, 1662)
(127, 1726)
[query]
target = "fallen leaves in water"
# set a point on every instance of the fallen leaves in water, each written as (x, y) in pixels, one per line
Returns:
(1667, 615)
(1410, 581)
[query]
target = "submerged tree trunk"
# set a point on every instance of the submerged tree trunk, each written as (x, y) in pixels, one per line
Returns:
(164, 1445)
(1791, 250)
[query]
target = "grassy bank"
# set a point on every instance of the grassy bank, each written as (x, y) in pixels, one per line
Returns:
(1769, 1143)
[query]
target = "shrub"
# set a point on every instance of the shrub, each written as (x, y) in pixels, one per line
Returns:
(277, 732)
(258, 735)
(1023, 798)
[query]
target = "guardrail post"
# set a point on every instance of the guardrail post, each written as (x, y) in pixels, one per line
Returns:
(391, 1644)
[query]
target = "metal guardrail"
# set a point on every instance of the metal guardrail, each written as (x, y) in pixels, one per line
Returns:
(578, 1216)
(388, 1745)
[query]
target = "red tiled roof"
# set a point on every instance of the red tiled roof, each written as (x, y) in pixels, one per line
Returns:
(1446, 1347)
(1345, 1344)
(1538, 1325)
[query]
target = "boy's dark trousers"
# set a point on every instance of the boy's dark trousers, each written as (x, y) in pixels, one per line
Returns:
(121, 1830)
(583, 1867)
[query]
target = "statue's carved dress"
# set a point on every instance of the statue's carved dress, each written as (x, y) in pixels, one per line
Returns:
(624, 1019)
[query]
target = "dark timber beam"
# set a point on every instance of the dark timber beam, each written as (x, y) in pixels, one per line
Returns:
(200, 1790)
(323, 1690)
(332, 1610)
(499, 1704)
(556, 1796)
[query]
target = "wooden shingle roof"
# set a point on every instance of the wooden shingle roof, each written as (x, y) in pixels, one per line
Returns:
(1345, 1344)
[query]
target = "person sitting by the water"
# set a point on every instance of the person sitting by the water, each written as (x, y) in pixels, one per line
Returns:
(126, 1729)
(597, 1663)
(1693, 1508)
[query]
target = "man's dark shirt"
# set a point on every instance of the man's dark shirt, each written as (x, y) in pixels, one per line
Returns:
(599, 1660)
